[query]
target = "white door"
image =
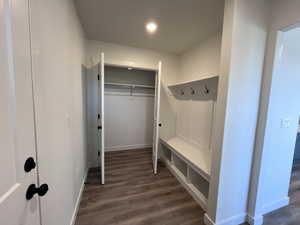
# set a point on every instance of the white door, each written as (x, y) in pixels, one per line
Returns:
(101, 119)
(156, 118)
(17, 138)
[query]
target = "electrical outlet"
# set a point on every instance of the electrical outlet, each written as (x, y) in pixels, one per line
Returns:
(285, 123)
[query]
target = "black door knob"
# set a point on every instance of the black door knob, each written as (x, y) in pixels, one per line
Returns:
(29, 164)
(159, 124)
(32, 190)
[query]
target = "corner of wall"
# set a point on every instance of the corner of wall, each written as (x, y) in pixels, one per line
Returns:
(79, 197)
(238, 219)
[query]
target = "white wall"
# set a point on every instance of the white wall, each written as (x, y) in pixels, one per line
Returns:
(135, 57)
(202, 60)
(128, 122)
(129, 113)
(92, 111)
(142, 58)
(58, 50)
(178, 116)
(273, 158)
(242, 54)
(195, 118)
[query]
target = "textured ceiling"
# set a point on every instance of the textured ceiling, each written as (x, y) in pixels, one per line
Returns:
(182, 23)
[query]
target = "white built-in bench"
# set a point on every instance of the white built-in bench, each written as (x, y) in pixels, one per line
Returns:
(190, 164)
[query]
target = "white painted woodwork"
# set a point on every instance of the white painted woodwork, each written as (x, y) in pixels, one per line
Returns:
(156, 118)
(192, 141)
(184, 178)
(204, 79)
(193, 191)
(196, 99)
(281, 69)
(243, 47)
(192, 138)
(98, 122)
(199, 159)
(17, 122)
(102, 119)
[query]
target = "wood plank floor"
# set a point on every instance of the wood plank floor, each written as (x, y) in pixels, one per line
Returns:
(289, 215)
(133, 195)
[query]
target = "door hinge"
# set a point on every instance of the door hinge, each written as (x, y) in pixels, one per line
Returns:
(98, 116)
(98, 153)
(99, 127)
(98, 77)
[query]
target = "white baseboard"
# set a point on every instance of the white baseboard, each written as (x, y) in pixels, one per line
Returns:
(127, 147)
(267, 208)
(73, 220)
(258, 220)
(270, 207)
(234, 220)
(207, 220)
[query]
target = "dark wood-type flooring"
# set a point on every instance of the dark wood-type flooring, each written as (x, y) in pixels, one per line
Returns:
(133, 195)
(289, 215)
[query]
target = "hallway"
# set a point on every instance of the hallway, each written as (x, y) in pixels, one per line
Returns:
(289, 215)
(132, 195)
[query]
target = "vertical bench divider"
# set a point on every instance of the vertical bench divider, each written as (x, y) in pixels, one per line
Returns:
(188, 178)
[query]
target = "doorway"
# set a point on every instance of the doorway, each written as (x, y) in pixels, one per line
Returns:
(283, 122)
(123, 111)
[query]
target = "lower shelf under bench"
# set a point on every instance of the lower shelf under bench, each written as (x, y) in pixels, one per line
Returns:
(191, 180)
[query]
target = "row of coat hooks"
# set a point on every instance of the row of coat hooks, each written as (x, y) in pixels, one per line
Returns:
(193, 91)
(205, 88)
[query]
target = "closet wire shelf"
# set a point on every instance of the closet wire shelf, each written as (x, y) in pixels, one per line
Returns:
(130, 85)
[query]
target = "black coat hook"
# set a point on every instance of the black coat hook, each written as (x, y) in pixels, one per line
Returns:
(206, 90)
(193, 91)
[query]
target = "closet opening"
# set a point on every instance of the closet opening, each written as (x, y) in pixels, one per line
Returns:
(124, 106)
(129, 97)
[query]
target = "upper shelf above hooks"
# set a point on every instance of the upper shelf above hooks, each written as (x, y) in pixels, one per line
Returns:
(205, 88)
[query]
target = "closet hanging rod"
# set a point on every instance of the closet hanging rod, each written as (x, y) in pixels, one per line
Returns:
(130, 85)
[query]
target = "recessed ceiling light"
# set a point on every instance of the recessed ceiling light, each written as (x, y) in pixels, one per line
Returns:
(151, 27)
